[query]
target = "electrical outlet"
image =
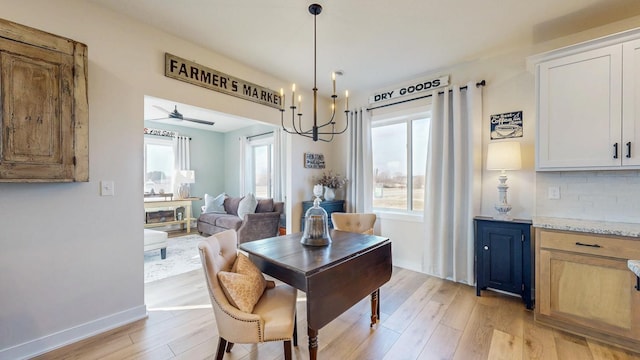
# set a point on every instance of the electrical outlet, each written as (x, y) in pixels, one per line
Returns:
(554, 193)
(106, 188)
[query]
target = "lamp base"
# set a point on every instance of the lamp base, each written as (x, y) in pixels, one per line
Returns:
(502, 206)
(502, 213)
(183, 191)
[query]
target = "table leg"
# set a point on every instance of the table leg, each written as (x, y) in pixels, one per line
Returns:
(375, 307)
(313, 343)
(187, 212)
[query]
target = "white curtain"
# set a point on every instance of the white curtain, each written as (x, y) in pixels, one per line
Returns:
(359, 163)
(279, 159)
(453, 183)
(181, 157)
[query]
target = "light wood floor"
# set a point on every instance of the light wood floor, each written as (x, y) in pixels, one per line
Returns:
(422, 318)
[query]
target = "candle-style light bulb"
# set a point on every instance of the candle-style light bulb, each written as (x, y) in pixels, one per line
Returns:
(346, 98)
(333, 79)
(300, 101)
(293, 95)
(282, 98)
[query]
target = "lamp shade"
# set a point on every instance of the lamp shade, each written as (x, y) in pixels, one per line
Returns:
(185, 177)
(504, 155)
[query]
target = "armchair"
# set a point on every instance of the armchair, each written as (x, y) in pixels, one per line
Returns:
(274, 316)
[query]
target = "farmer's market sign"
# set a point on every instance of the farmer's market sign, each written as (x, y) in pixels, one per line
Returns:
(196, 74)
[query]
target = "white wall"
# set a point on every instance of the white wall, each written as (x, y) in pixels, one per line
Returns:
(71, 261)
(611, 195)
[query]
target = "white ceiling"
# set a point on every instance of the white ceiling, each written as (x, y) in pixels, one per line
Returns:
(223, 122)
(376, 43)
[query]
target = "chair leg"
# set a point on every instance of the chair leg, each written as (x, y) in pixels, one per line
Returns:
(295, 330)
(229, 347)
(222, 344)
(287, 350)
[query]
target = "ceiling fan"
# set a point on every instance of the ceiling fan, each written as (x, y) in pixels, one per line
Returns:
(175, 114)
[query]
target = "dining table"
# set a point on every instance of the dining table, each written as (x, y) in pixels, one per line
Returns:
(334, 277)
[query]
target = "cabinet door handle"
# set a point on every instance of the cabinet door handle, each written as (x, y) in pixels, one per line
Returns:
(628, 150)
(615, 150)
(589, 245)
(486, 247)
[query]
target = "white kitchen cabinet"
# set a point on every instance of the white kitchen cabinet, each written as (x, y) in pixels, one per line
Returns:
(630, 154)
(589, 107)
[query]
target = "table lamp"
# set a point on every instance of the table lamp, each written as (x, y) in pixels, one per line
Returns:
(184, 178)
(503, 156)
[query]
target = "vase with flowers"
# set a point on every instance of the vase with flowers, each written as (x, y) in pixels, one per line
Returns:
(331, 182)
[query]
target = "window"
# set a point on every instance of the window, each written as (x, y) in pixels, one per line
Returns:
(261, 166)
(158, 165)
(399, 161)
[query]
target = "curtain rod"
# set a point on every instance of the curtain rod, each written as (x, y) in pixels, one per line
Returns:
(266, 133)
(165, 135)
(478, 84)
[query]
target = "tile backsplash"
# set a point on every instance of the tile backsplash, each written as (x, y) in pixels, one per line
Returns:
(590, 195)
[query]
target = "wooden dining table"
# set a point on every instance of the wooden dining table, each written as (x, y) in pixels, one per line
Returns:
(334, 277)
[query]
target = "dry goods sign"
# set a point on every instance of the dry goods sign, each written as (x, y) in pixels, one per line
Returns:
(413, 88)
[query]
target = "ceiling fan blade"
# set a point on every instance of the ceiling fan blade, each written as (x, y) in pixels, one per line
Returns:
(176, 115)
(162, 109)
(205, 122)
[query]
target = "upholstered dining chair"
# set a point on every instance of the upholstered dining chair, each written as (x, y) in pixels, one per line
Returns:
(362, 223)
(273, 317)
(354, 222)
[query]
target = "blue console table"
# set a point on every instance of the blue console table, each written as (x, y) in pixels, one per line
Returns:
(328, 206)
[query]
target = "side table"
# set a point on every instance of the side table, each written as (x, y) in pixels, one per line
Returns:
(504, 256)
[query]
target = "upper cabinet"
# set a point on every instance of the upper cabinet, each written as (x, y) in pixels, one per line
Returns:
(588, 99)
(44, 107)
(630, 144)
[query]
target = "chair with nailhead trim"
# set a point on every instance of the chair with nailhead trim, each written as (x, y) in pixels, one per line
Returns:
(274, 316)
(354, 222)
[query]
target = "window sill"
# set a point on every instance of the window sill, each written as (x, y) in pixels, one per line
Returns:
(399, 215)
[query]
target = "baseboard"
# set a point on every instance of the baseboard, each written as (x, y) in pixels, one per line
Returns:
(72, 335)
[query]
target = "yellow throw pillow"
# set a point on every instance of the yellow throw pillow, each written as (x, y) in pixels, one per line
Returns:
(244, 285)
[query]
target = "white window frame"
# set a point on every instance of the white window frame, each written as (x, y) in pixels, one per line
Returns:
(163, 141)
(252, 143)
(405, 116)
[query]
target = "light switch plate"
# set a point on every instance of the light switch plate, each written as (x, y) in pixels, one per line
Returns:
(554, 193)
(106, 188)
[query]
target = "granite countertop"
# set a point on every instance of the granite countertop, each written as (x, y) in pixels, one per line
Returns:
(634, 265)
(588, 226)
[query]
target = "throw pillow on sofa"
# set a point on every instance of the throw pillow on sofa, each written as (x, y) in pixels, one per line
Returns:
(247, 205)
(214, 204)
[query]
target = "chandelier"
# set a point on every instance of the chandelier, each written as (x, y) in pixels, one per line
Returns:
(324, 131)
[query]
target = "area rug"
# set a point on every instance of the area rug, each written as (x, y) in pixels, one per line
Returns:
(182, 256)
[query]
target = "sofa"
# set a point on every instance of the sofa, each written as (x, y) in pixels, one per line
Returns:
(263, 223)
